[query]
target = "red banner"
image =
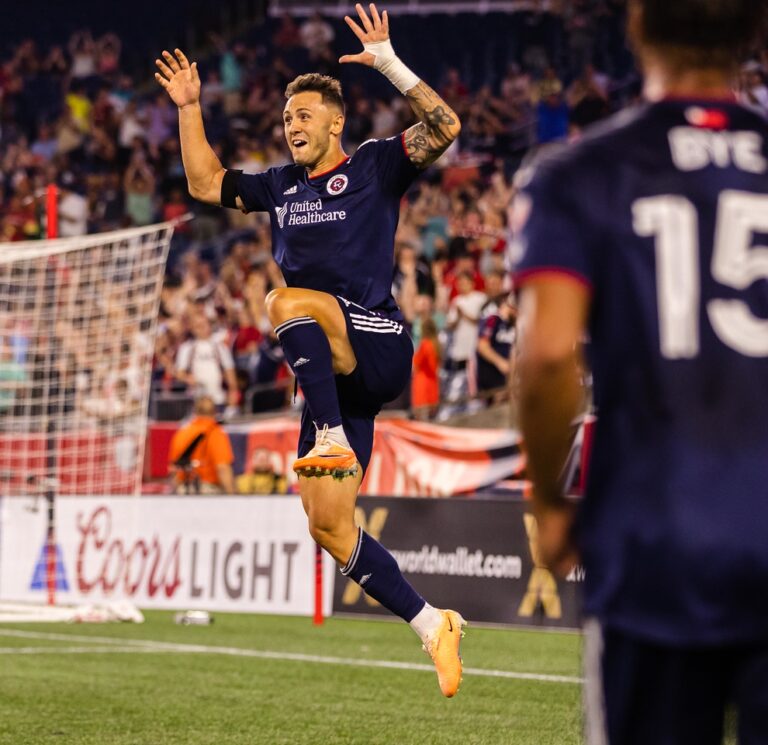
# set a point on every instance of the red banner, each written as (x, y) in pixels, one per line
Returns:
(409, 458)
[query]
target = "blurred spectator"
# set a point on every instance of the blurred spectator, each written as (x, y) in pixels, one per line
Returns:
(316, 35)
(73, 213)
(139, 188)
(462, 320)
(108, 50)
(425, 383)
(207, 365)
(287, 35)
(552, 112)
(13, 376)
(200, 454)
(82, 50)
(45, 145)
(753, 90)
(261, 476)
(494, 350)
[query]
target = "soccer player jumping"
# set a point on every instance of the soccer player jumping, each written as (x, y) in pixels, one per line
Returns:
(650, 234)
(333, 225)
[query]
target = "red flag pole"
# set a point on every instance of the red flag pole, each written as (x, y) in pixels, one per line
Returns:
(318, 618)
(52, 211)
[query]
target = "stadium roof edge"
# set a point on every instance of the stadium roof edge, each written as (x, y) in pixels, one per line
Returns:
(406, 7)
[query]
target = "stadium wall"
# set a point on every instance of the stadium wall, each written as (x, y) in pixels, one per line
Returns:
(253, 554)
(246, 554)
(477, 555)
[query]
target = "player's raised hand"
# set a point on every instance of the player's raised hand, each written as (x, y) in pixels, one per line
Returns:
(180, 79)
(374, 29)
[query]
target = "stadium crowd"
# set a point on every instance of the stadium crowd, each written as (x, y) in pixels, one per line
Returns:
(72, 115)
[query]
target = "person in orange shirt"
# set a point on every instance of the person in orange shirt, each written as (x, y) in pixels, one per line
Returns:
(425, 382)
(205, 467)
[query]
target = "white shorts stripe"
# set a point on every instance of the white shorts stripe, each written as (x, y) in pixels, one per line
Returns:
(375, 330)
(593, 695)
(361, 322)
(373, 319)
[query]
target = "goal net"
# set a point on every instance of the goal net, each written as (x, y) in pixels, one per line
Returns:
(77, 330)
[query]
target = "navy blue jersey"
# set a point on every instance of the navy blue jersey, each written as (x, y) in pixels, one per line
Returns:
(335, 232)
(663, 213)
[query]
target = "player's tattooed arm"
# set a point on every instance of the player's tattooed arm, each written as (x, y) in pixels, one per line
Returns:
(427, 140)
(439, 126)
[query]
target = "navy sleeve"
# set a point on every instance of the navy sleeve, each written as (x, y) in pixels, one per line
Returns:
(551, 226)
(395, 170)
(254, 189)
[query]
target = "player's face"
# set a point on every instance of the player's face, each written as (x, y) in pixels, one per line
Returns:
(309, 126)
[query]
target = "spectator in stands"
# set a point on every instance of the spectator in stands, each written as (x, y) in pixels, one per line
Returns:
(494, 351)
(73, 212)
(753, 91)
(13, 376)
(201, 453)
(495, 293)
(139, 188)
(287, 36)
(462, 320)
(207, 365)
(425, 382)
(82, 50)
(261, 476)
(552, 112)
(316, 35)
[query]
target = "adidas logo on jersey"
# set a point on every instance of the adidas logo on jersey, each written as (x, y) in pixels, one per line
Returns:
(292, 190)
(299, 362)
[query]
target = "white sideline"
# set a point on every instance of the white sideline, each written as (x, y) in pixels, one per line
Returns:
(149, 645)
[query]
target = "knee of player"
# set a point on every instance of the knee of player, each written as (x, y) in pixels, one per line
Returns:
(280, 303)
(320, 533)
(322, 528)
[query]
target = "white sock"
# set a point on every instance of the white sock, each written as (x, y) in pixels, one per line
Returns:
(337, 435)
(426, 621)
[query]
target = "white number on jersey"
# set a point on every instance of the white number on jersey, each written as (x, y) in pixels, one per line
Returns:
(736, 262)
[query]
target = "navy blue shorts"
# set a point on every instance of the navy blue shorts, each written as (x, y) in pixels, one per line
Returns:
(384, 353)
(642, 693)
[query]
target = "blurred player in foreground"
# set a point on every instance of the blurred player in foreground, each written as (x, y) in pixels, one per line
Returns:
(650, 235)
(333, 226)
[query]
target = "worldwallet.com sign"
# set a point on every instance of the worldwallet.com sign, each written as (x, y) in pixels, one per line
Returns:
(250, 554)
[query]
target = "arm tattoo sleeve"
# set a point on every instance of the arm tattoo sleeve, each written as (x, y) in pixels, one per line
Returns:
(438, 128)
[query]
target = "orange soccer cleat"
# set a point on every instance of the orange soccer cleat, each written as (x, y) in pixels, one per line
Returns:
(327, 458)
(443, 647)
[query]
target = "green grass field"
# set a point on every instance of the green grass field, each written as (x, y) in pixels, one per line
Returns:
(278, 680)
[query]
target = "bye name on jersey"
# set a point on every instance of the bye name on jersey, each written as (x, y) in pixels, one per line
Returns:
(663, 214)
(335, 232)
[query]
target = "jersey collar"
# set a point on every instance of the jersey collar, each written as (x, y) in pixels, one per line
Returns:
(342, 162)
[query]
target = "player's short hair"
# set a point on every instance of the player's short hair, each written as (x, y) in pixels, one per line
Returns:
(707, 33)
(329, 88)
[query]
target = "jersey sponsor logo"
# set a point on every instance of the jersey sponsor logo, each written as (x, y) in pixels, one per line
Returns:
(292, 190)
(337, 184)
(307, 213)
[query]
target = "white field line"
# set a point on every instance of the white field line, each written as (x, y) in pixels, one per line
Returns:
(148, 645)
(72, 650)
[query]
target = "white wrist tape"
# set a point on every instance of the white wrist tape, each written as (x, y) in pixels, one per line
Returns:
(391, 66)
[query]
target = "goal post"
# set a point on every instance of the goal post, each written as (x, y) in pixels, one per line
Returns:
(78, 319)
